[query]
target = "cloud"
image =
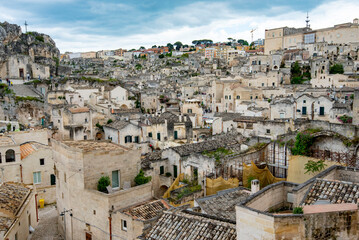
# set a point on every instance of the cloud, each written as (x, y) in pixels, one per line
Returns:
(195, 20)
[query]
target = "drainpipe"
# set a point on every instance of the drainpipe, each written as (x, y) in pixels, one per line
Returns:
(21, 173)
(37, 210)
(110, 225)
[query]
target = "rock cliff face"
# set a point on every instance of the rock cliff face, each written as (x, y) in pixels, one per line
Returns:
(39, 47)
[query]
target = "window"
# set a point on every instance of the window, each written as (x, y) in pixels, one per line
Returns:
(150, 134)
(175, 135)
(281, 115)
(321, 111)
(52, 179)
(137, 139)
(42, 161)
(85, 137)
(128, 139)
(115, 179)
(159, 136)
(229, 97)
(304, 101)
(251, 97)
(37, 177)
(189, 110)
(10, 155)
(262, 84)
(238, 97)
(16, 237)
(124, 225)
(226, 97)
(268, 131)
(85, 120)
(162, 170)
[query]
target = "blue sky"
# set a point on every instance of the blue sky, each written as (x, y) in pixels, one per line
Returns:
(79, 25)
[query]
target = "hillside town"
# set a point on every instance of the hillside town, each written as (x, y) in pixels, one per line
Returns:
(242, 139)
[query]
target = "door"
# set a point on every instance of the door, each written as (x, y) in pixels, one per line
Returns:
(115, 179)
(321, 111)
(21, 72)
(304, 110)
(53, 179)
(88, 236)
(176, 135)
(175, 171)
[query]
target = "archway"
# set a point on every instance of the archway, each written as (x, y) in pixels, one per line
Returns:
(10, 155)
(162, 190)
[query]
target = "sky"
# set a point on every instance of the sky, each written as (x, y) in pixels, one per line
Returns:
(88, 25)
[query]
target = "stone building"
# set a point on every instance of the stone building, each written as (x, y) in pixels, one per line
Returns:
(330, 198)
(290, 38)
(79, 166)
(18, 211)
(124, 133)
(194, 110)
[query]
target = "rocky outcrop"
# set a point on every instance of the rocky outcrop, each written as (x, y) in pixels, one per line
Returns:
(41, 48)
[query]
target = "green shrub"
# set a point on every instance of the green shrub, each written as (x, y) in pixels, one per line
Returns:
(141, 178)
(303, 142)
(103, 182)
(298, 210)
(39, 38)
(336, 69)
(109, 121)
(313, 167)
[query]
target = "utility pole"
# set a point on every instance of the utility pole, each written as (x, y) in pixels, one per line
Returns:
(63, 214)
(26, 27)
(252, 33)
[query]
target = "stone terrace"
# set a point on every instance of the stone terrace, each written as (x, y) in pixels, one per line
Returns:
(88, 145)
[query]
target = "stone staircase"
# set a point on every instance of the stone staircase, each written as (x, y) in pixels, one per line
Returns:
(24, 91)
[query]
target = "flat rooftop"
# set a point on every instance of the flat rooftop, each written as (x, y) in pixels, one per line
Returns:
(88, 145)
(5, 141)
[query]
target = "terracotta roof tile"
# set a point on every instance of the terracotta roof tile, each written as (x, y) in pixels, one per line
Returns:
(147, 210)
(26, 149)
(181, 225)
(333, 191)
(79, 110)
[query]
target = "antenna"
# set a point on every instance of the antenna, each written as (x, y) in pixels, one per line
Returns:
(307, 21)
(26, 27)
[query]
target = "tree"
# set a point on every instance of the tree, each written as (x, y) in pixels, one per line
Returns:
(336, 69)
(154, 46)
(103, 183)
(243, 42)
(314, 167)
(142, 47)
(141, 179)
(303, 142)
(296, 70)
(178, 45)
(109, 121)
(161, 56)
(170, 47)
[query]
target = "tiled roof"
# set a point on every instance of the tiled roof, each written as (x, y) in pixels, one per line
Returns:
(333, 191)
(223, 203)
(11, 197)
(147, 210)
(26, 149)
(226, 141)
(118, 124)
(188, 226)
(150, 157)
(5, 223)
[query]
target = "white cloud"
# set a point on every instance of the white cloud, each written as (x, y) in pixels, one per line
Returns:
(214, 21)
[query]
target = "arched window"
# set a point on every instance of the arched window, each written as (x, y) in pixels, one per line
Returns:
(10, 155)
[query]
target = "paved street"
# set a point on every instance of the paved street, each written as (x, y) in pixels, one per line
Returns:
(47, 227)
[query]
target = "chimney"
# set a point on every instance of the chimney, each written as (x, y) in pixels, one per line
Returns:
(254, 186)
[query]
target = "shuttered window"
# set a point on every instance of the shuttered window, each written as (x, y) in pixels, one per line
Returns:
(115, 179)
